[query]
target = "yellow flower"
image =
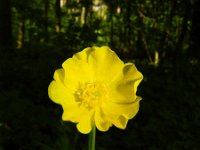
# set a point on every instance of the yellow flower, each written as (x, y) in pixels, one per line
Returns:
(95, 87)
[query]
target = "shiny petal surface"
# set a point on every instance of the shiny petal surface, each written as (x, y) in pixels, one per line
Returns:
(101, 122)
(77, 71)
(86, 121)
(124, 87)
(58, 92)
(59, 75)
(71, 112)
(128, 110)
(120, 122)
(103, 61)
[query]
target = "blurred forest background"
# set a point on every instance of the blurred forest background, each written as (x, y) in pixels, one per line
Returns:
(161, 37)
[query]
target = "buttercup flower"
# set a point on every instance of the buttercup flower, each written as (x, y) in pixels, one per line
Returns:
(95, 87)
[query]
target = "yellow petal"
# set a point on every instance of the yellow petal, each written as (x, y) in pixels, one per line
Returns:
(103, 61)
(85, 124)
(76, 72)
(72, 112)
(124, 87)
(100, 120)
(132, 74)
(114, 110)
(83, 55)
(59, 93)
(59, 75)
(120, 122)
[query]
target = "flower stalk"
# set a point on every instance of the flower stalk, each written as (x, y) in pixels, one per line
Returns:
(92, 137)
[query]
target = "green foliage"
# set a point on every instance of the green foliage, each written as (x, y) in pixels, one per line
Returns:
(120, 24)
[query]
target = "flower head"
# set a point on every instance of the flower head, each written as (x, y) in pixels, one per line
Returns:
(95, 87)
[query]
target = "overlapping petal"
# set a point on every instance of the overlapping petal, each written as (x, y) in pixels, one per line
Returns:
(71, 112)
(128, 110)
(124, 87)
(58, 92)
(101, 121)
(103, 61)
(120, 122)
(86, 121)
(77, 71)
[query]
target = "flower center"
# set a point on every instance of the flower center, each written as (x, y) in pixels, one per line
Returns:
(91, 95)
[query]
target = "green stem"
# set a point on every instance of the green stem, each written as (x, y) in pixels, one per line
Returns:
(92, 135)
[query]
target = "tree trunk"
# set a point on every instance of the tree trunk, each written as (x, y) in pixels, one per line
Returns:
(86, 11)
(58, 16)
(21, 30)
(82, 17)
(5, 25)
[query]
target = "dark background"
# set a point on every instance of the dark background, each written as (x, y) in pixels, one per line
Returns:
(160, 37)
